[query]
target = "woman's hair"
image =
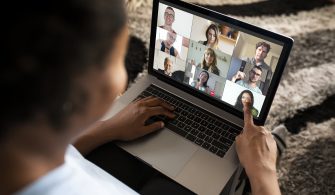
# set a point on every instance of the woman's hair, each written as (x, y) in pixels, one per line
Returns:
(211, 67)
(44, 46)
(205, 83)
(216, 30)
(239, 104)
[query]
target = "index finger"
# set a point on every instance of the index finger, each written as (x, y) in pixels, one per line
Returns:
(248, 120)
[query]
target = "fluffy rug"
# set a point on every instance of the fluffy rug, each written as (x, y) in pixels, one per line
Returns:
(305, 100)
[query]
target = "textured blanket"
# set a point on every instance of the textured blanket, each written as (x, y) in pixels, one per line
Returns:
(305, 100)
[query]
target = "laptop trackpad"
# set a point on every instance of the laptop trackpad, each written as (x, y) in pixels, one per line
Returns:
(164, 150)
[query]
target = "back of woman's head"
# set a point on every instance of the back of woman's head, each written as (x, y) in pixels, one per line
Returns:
(44, 45)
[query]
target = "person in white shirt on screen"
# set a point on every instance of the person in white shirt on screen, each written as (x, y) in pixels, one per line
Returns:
(254, 76)
(169, 17)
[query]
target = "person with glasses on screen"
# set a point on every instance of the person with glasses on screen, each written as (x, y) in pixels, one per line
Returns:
(261, 52)
(254, 76)
(169, 17)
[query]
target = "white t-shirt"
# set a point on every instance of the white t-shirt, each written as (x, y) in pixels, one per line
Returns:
(76, 176)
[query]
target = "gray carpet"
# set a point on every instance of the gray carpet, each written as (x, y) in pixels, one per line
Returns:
(305, 100)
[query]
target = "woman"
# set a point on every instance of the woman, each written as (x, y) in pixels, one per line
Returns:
(201, 82)
(56, 88)
(212, 35)
(246, 96)
(209, 62)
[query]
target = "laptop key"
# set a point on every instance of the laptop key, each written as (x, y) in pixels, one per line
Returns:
(184, 113)
(211, 126)
(146, 94)
(177, 130)
(204, 117)
(181, 125)
(190, 116)
(218, 130)
(202, 128)
(199, 141)
(221, 153)
(197, 119)
(218, 144)
(225, 127)
(215, 136)
(190, 137)
(184, 106)
(201, 135)
(204, 123)
(225, 141)
(206, 145)
(211, 120)
(209, 132)
(218, 123)
(194, 132)
(213, 149)
(181, 118)
(188, 122)
(174, 122)
(178, 110)
(188, 128)
(195, 125)
(234, 131)
(198, 113)
(209, 139)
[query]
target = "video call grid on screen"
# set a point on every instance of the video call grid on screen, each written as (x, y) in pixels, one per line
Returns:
(218, 59)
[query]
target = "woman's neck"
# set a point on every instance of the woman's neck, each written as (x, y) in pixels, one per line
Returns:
(26, 156)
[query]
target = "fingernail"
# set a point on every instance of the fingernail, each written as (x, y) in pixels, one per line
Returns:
(162, 124)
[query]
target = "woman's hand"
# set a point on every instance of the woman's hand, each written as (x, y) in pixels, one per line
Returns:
(257, 151)
(128, 124)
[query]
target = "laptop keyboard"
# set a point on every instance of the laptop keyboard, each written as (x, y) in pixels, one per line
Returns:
(195, 124)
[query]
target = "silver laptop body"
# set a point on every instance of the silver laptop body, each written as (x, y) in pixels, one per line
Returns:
(184, 161)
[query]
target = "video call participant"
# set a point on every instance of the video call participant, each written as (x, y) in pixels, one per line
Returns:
(254, 76)
(168, 19)
(209, 62)
(262, 50)
(167, 45)
(167, 67)
(212, 35)
(246, 96)
(201, 83)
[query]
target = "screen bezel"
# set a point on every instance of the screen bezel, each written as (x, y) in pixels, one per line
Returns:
(286, 42)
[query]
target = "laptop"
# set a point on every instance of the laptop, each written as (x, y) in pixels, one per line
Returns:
(205, 64)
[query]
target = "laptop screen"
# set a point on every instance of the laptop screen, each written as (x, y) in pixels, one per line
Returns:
(218, 59)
